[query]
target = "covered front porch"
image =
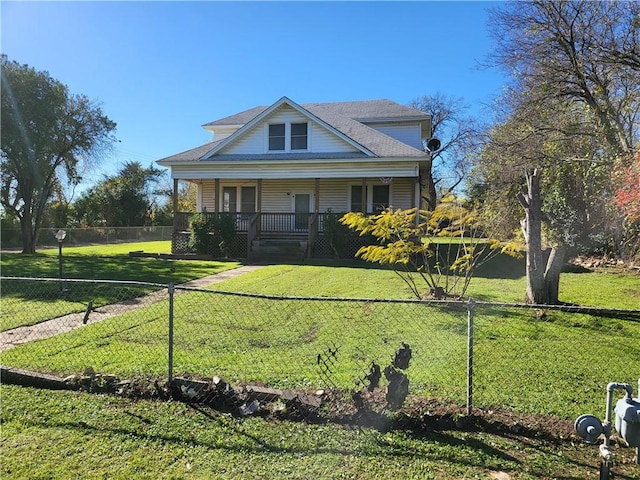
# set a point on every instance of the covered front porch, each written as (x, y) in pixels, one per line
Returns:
(291, 218)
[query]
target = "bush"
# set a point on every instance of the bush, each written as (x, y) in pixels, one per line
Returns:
(336, 233)
(223, 231)
(199, 228)
(212, 235)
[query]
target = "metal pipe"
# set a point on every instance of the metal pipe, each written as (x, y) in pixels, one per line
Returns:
(470, 308)
(171, 289)
(605, 448)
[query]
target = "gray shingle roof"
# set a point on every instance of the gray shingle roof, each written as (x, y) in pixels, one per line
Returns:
(192, 154)
(345, 117)
(365, 110)
(380, 144)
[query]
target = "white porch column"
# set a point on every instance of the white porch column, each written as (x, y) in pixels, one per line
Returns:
(216, 195)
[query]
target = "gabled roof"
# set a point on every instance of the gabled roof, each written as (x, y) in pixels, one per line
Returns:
(265, 113)
(362, 111)
(343, 119)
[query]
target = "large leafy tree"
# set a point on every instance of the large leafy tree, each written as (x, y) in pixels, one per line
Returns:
(127, 199)
(576, 51)
(548, 158)
(46, 133)
(574, 111)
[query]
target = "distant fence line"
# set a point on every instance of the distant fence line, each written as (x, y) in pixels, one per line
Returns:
(477, 354)
(11, 237)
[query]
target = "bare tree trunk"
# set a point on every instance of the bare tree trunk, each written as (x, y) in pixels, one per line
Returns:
(543, 281)
(532, 230)
(552, 274)
(28, 238)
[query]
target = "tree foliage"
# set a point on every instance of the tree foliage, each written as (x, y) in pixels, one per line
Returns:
(46, 133)
(576, 51)
(572, 111)
(440, 249)
(126, 199)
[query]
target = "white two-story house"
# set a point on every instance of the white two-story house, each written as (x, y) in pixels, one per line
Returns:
(279, 169)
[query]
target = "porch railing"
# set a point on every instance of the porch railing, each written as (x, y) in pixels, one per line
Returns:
(264, 222)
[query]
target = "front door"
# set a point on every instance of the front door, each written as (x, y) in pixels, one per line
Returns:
(301, 208)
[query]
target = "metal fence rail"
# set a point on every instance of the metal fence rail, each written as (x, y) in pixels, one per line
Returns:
(475, 354)
(12, 237)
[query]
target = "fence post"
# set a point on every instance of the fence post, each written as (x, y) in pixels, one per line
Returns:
(470, 307)
(171, 289)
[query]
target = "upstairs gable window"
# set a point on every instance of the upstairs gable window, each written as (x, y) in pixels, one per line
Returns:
(276, 136)
(286, 137)
(298, 136)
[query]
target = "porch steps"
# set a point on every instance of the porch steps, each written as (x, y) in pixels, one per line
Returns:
(278, 250)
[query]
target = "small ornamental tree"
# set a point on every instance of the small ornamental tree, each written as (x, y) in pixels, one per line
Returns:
(435, 253)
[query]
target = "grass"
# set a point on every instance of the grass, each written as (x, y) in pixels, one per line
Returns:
(277, 342)
(53, 434)
(104, 262)
(558, 365)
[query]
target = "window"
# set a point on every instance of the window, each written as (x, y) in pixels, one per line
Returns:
(229, 199)
(380, 197)
(248, 199)
(287, 137)
(276, 136)
(298, 136)
(357, 199)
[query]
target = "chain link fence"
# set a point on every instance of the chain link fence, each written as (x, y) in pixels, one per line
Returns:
(12, 237)
(241, 351)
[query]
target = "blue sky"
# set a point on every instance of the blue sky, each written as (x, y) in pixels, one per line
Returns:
(162, 69)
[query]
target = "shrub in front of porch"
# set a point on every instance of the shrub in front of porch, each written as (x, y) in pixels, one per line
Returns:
(211, 235)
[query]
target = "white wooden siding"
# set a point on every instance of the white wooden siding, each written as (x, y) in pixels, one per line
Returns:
(334, 193)
(409, 134)
(320, 139)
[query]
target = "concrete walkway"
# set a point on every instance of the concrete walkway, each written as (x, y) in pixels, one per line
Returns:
(56, 326)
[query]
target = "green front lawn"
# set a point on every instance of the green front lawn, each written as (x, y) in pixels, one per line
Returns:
(103, 262)
(49, 434)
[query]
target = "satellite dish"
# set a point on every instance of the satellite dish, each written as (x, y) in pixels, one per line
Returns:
(433, 144)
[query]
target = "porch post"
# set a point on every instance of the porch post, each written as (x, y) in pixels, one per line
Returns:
(314, 219)
(259, 207)
(175, 196)
(416, 199)
(364, 196)
(176, 221)
(216, 196)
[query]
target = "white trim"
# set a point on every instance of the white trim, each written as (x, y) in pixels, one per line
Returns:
(287, 170)
(302, 192)
(287, 138)
(199, 194)
(261, 116)
(368, 201)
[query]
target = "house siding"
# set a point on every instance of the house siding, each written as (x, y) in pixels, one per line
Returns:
(409, 134)
(334, 193)
(320, 139)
